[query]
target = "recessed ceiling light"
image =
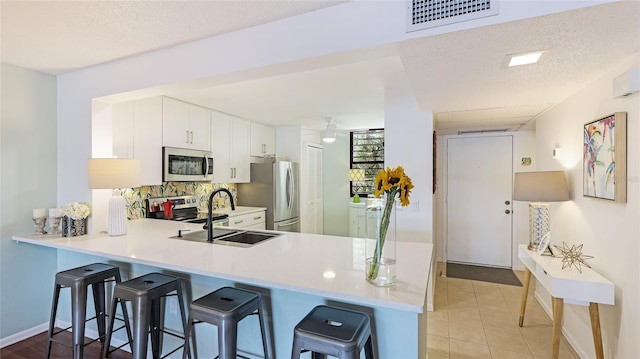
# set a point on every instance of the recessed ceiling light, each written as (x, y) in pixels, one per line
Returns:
(522, 59)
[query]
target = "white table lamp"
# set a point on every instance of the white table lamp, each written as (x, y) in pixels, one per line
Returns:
(539, 188)
(114, 173)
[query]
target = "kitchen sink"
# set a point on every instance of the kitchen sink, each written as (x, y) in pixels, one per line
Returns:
(232, 237)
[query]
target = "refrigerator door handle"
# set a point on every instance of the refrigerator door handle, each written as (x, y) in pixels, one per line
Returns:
(289, 188)
(293, 188)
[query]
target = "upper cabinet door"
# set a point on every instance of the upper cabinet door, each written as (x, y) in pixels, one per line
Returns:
(200, 127)
(185, 125)
(175, 117)
(220, 147)
(240, 152)
(262, 140)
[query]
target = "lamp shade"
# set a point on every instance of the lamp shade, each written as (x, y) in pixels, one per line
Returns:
(110, 173)
(545, 186)
(356, 174)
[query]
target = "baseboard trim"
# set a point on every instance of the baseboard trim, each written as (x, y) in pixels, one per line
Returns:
(25, 334)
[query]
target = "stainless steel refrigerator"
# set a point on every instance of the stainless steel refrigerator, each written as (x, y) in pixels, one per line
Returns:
(274, 185)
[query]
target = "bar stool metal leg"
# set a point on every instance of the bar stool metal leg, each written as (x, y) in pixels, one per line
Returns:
(54, 309)
(78, 316)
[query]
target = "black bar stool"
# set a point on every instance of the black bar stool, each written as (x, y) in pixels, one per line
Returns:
(338, 332)
(224, 308)
(145, 293)
(79, 279)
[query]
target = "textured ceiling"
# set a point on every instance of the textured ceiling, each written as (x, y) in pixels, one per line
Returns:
(61, 36)
(457, 75)
(460, 75)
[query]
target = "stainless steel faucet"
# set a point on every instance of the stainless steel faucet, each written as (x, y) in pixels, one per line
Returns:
(210, 211)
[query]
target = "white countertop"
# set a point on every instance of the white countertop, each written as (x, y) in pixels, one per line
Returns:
(294, 261)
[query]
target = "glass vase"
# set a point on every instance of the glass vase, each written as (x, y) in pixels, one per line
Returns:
(380, 245)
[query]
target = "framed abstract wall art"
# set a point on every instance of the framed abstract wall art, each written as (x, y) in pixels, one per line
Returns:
(604, 158)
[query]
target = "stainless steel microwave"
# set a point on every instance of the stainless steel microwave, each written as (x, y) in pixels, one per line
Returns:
(183, 165)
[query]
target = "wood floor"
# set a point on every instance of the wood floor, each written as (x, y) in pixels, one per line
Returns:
(36, 346)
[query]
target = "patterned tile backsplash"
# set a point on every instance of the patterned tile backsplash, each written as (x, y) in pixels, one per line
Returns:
(135, 196)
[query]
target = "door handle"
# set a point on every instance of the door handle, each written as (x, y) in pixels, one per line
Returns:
(507, 211)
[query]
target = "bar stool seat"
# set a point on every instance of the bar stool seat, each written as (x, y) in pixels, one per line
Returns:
(78, 280)
(338, 332)
(224, 308)
(145, 294)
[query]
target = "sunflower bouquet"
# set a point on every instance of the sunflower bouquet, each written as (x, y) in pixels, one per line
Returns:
(391, 182)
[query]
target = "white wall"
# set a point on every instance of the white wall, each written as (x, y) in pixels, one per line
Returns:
(408, 137)
(609, 231)
(336, 186)
(28, 181)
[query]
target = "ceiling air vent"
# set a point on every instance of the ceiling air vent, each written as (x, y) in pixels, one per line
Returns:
(423, 14)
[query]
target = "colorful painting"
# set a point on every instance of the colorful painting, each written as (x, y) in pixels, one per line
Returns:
(604, 158)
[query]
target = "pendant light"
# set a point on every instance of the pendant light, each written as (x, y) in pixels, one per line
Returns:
(329, 134)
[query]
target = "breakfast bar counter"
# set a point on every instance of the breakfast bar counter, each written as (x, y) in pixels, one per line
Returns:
(297, 271)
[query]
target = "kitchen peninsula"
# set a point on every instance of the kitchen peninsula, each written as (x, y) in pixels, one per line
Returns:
(294, 271)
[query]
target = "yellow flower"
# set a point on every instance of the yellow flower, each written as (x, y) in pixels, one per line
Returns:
(405, 190)
(392, 181)
(382, 183)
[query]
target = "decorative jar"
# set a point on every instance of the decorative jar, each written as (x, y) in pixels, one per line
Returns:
(73, 227)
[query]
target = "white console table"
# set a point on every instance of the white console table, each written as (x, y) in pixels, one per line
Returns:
(569, 285)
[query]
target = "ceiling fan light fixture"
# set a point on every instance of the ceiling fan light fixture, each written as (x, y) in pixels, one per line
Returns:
(329, 134)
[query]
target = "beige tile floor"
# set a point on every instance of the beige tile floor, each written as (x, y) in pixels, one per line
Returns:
(474, 320)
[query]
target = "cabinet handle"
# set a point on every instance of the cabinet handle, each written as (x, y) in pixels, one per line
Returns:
(191, 142)
(264, 148)
(187, 141)
(231, 172)
(256, 218)
(238, 222)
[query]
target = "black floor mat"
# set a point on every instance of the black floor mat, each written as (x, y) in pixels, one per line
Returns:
(485, 274)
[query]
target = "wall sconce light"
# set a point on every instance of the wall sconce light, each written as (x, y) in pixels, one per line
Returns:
(114, 174)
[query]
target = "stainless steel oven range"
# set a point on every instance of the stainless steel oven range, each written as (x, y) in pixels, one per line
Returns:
(181, 208)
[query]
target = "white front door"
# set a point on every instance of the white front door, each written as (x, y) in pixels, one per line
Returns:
(479, 187)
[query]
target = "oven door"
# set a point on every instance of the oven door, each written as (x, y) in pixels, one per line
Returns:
(182, 165)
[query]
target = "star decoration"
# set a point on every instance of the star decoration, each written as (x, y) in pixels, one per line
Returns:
(573, 256)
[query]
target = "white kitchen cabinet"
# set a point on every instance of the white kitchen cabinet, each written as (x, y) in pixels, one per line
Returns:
(122, 129)
(263, 139)
(357, 212)
(185, 125)
(137, 133)
(255, 220)
(230, 148)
